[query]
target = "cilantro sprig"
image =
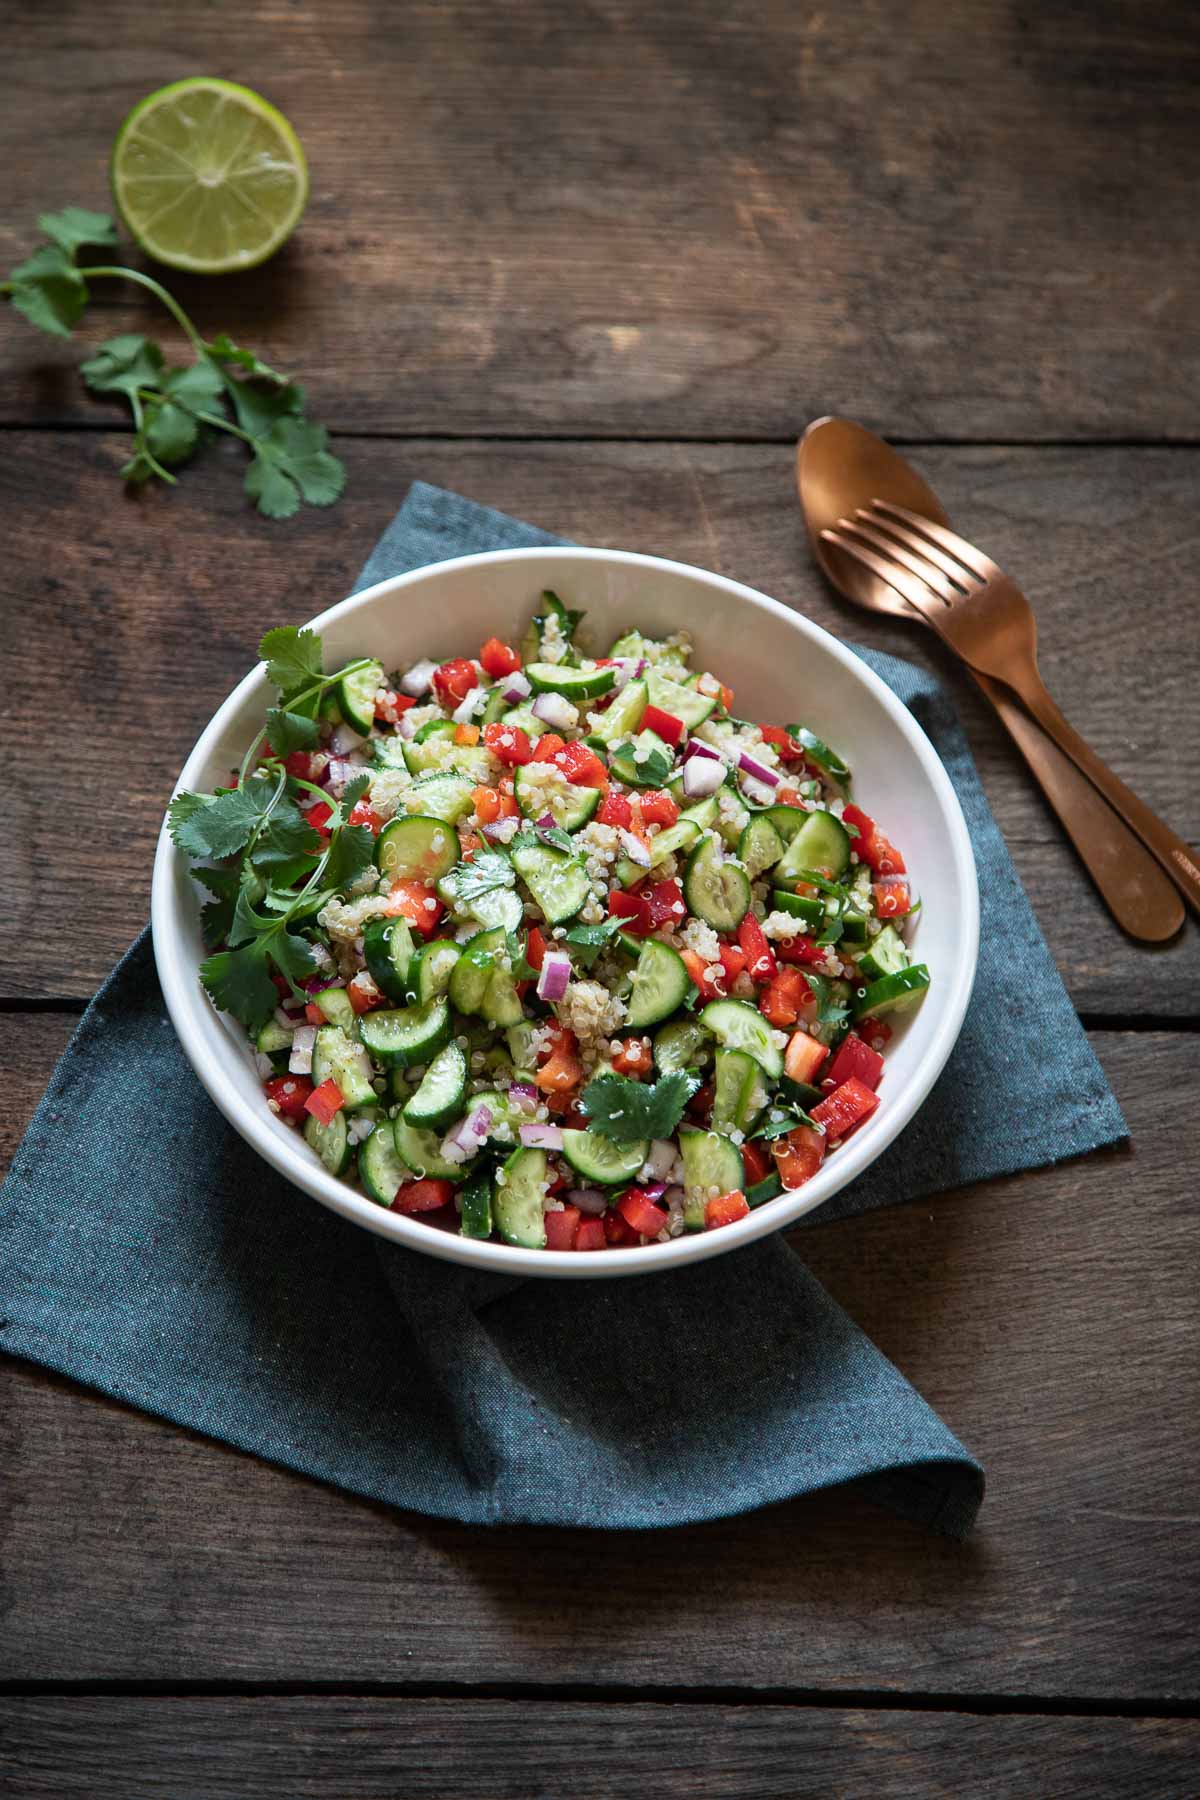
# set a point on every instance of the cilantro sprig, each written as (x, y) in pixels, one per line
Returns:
(224, 389)
(625, 1111)
(270, 871)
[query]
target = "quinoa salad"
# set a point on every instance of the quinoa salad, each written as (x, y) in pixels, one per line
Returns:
(549, 946)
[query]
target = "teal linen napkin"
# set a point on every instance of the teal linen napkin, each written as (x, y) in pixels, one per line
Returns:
(147, 1252)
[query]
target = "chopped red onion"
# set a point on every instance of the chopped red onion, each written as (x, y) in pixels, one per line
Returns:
(541, 1137)
(625, 670)
(757, 792)
(338, 774)
(524, 1094)
(465, 711)
(419, 679)
(702, 776)
(344, 740)
(300, 1060)
(653, 1190)
(515, 687)
(661, 1159)
(264, 1065)
(406, 727)
(501, 831)
(547, 822)
(555, 974)
(287, 1021)
(697, 747)
(588, 1200)
(750, 765)
(555, 710)
(635, 850)
(316, 984)
(468, 1136)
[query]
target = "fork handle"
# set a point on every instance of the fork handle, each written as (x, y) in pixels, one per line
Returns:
(1140, 898)
(1168, 850)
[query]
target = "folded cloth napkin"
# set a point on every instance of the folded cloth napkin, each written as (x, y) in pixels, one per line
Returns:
(146, 1251)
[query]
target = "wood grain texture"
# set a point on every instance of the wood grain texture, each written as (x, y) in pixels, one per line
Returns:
(143, 613)
(312, 1748)
(967, 222)
(1050, 1319)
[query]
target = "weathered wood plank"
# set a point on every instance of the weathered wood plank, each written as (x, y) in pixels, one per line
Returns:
(1051, 1321)
(575, 218)
(300, 1746)
(154, 606)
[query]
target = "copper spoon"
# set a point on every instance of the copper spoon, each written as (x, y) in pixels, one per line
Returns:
(841, 467)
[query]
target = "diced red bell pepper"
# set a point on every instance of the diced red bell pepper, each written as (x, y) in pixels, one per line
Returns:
(454, 681)
(803, 1057)
(760, 960)
(325, 1102)
(701, 1103)
(364, 995)
(581, 765)
(509, 744)
(783, 741)
(846, 1107)
(712, 987)
(290, 1094)
(561, 1228)
(640, 1213)
(632, 909)
(535, 949)
(726, 1209)
(590, 1235)
(466, 735)
(428, 1195)
(799, 1155)
(857, 1059)
(756, 1162)
(313, 1014)
(299, 764)
(658, 808)
(783, 1001)
(616, 1230)
(561, 1071)
(733, 961)
(664, 724)
(318, 816)
(547, 747)
(615, 810)
(363, 813)
(634, 1058)
(801, 950)
(389, 708)
(664, 901)
(416, 902)
(498, 658)
(872, 847)
(893, 897)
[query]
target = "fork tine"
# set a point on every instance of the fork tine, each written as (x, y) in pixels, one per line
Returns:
(911, 587)
(964, 581)
(971, 558)
(863, 525)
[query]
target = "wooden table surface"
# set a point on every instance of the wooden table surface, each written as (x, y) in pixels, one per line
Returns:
(596, 264)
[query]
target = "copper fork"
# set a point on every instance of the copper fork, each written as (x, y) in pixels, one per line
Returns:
(987, 621)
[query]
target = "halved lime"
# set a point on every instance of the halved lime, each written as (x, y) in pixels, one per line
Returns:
(208, 176)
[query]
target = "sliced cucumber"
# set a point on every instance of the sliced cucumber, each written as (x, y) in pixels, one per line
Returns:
(740, 1092)
(787, 820)
(623, 717)
(331, 1142)
(522, 718)
(421, 1152)
(570, 806)
(685, 1044)
(388, 948)
(519, 1038)
(388, 752)
(854, 928)
(769, 1188)
(760, 846)
(894, 993)
(440, 1097)
(660, 984)
(716, 890)
(425, 751)
(597, 1158)
(336, 1057)
(356, 696)
(472, 761)
(558, 882)
(416, 848)
(681, 702)
(380, 1169)
(572, 684)
(638, 763)
(481, 980)
(703, 814)
(446, 796)
(819, 753)
(673, 840)
(334, 1005)
(432, 969)
(495, 909)
(495, 706)
(887, 953)
(272, 1039)
(476, 1216)
(709, 1160)
(810, 913)
(739, 1026)
(404, 1036)
(519, 1202)
(822, 844)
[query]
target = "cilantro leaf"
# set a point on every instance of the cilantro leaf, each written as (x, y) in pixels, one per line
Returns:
(222, 825)
(293, 657)
(795, 1115)
(198, 385)
(353, 792)
(292, 956)
(488, 871)
(291, 463)
(351, 852)
(625, 1111)
(170, 432)
(216, 917)
(287, 834)
(75, 226)
(49, 290)
(288, 731)
(590, 940)
(226, 351)
(237, 982)
(260, 405)
(123, 365)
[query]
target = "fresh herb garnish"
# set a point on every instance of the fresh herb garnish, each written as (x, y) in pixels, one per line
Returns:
(590, 940)
(653, 766)
(625, 1111)
(794, 1116)
(553, 835)
(173, 408)
(486, 873)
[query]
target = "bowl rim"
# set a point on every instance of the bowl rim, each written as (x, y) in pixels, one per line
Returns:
(186, 1001)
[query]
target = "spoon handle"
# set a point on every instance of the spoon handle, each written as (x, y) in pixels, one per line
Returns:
(1140, 897)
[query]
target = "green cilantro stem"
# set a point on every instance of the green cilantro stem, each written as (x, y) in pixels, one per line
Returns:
(160, 293)
(139, 422)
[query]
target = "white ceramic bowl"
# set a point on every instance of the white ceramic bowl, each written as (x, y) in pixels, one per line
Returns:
(781, 668)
